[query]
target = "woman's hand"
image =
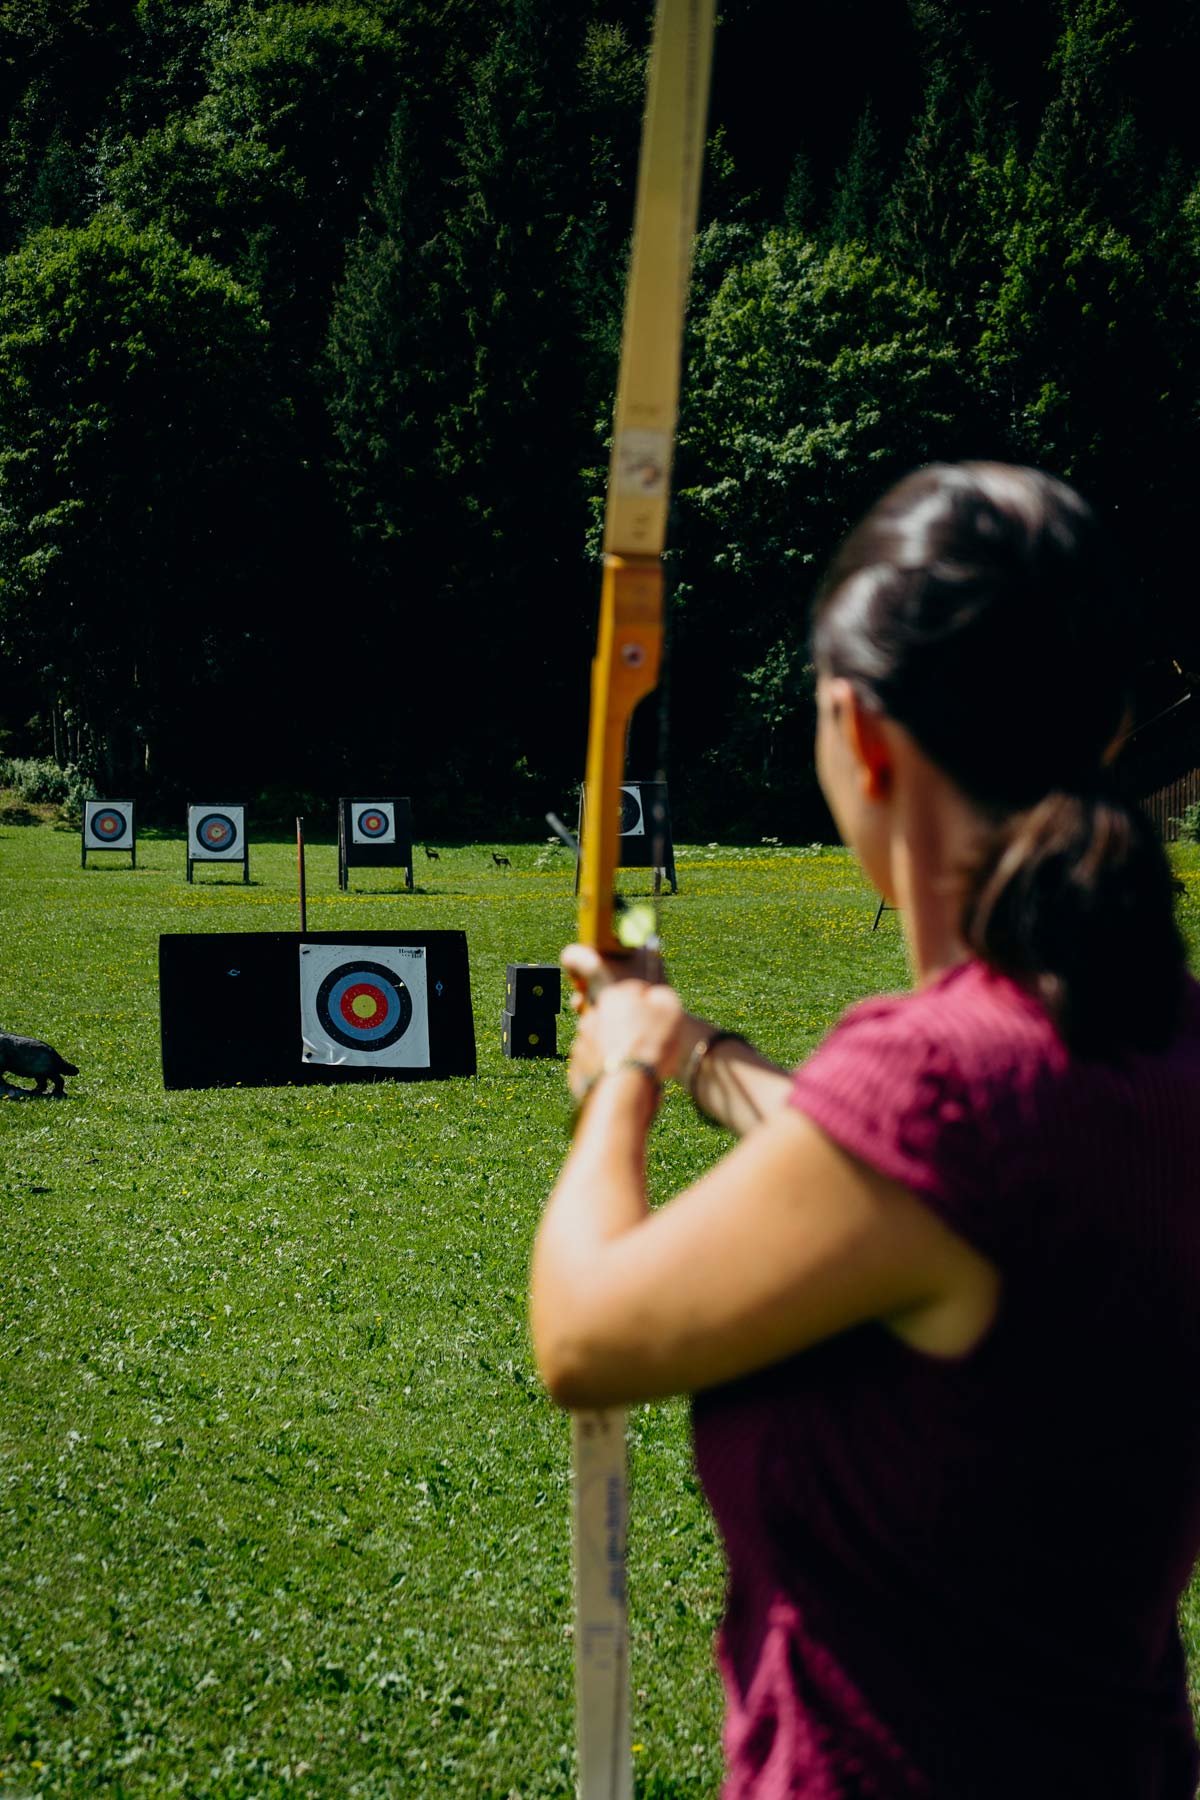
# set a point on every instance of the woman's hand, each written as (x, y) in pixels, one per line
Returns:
(625, 1011)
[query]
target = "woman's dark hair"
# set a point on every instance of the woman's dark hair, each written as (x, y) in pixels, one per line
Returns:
(978, 606)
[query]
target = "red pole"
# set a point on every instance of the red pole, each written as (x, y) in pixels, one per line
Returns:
(300, 871)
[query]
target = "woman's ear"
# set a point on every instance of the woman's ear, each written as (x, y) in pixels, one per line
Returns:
(867, 740)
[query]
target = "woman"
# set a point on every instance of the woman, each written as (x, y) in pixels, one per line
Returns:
(940, 1307)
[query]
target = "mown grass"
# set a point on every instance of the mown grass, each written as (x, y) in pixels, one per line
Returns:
(283, 1511)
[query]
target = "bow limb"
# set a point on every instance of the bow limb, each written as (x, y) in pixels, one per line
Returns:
(625, 670)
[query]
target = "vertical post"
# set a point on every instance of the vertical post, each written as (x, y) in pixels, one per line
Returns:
(300, 873)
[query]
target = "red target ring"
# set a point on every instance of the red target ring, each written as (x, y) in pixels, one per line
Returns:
(364, 1006)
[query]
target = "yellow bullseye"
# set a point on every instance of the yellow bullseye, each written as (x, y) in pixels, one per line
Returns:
(362, 1006)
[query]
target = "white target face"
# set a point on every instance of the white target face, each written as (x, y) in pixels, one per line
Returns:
(364, 1005)
(108, 825)
(633, 820)
(216, 833)
(372, 822)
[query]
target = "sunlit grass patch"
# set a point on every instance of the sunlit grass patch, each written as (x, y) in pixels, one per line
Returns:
(283, 1510)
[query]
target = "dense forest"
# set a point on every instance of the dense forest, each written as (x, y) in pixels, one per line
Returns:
(308, 329)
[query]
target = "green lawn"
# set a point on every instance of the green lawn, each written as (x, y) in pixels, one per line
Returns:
(282, 1509)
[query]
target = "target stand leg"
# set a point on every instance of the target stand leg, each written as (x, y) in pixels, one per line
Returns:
(883, 906)
(133, 857)
(410, 878)
(189, 863)
(246, 870)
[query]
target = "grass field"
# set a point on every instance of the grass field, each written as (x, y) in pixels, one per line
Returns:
(283, 1511)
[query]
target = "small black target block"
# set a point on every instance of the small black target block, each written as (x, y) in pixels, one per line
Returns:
(533, 988)
(529, 1036)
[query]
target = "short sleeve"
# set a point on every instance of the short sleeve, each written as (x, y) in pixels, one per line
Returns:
(912, 1099)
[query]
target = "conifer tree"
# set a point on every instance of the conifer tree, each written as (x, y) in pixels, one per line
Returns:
(854, 208)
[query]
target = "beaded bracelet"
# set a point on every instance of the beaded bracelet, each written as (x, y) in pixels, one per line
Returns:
(700, 1049)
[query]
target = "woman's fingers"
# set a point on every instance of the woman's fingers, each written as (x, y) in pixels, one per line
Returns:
(591, 972)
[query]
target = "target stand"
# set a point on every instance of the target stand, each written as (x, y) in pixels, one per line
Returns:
(217, 834)
(108, 825)
(645, 837)
(375, 834)
(277, 1008)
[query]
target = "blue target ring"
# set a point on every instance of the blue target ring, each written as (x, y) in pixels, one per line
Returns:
(373, 822)
(216, 831)
(363, 1005)
(109, 824)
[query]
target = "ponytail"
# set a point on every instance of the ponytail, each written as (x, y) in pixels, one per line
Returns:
(1074, 899)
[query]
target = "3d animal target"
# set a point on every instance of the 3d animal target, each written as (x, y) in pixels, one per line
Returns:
(644, 832)
(108, 825)
(374, 833)
(217, 834)
(270, 1009)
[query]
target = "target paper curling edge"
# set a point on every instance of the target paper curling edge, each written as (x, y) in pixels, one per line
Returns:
(108, 824)
(633, 821)
(216, 833)
(373, 822)
(364, 1007)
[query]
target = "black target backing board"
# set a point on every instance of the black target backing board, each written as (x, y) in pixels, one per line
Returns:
(645, 831)
(375, 831)
(230, 1006)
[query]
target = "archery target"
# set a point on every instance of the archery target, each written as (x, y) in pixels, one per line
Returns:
(364, 1007)
(633, 822)
(108, 825)
(373, 822)
(216, 833)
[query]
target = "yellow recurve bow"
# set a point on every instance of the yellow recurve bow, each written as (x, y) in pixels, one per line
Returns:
(624, 671)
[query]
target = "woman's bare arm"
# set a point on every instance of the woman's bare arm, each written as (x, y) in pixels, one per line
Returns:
(786, 1241)
(732, 1082)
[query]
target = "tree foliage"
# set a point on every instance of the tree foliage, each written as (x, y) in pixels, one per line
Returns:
(319, 303)
(130, 446)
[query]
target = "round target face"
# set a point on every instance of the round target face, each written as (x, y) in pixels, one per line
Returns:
(364, 1006)
(631, 811)
(216, 831)
(109, 824)
(372, 823)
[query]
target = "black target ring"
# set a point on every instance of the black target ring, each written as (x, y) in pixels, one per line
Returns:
(109, 825)
(353, 983)
(631, 811)
(216, 831)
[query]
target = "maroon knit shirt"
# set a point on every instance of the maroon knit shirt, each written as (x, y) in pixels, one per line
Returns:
(958, 1577)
